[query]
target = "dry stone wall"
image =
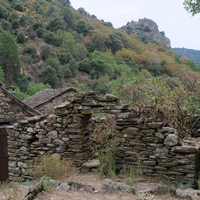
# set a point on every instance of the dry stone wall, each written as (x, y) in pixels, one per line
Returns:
(139, 139)
(156, 149)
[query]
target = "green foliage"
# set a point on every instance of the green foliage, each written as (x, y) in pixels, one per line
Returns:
(45, 51)
(34, 88)
(48, 76)
(82, 27)
(3, 13)
(169, 98)
(2, 76)
(49, 37)
(19, 7)
(22, 82)
(6, 25)
(97, 43)
(15, 24)
(192, 6)
(115, 43)
(69, 45)
(20, 95)
(54, 64)
(23, 20)
(46, 182)
(185, 186)
(68, 17)
(57, 24)
(37, 24)
(21, 38)
(101, 84)
(107, 165)
(30, 50)
(9, 56)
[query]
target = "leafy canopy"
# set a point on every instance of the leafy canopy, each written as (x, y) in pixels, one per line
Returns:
(192, 6)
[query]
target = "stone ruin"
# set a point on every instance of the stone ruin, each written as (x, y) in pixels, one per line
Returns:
(158, 148)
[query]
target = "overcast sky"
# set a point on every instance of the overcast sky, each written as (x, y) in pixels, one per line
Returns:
(179, 26)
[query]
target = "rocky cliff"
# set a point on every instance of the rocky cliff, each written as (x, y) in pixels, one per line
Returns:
(147, 30)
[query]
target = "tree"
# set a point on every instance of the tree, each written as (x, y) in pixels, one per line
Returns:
(49, 76)
(45, 51)
(68, 17)
(115, 43)
(9, 56)
(192, 6)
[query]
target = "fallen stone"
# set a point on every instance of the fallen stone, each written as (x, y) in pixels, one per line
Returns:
(91, 163)
(187, 193)
(109, 185)
(64, 186)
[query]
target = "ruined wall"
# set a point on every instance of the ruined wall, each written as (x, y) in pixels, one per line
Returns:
(139, 138)
(156, 149)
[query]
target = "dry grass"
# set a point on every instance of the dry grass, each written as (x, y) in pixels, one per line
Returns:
(50, 166)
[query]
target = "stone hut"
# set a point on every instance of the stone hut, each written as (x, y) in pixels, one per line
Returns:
(45, 100)
(11, 111)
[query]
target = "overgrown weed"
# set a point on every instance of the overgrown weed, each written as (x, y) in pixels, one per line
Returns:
(107, 165)
(50, 166)
(133, 173)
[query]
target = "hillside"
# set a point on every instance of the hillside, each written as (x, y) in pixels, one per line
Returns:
(53, 44)
(192, 54)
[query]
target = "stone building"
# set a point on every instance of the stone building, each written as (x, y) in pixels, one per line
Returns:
(45, 100)
(11, 110)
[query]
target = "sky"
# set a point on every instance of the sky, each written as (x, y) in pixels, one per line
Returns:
(179, 26)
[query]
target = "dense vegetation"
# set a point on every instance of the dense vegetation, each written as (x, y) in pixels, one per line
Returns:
(46, 43)
(192, 54)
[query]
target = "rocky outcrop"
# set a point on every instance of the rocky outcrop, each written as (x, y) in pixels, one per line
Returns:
(148, 30)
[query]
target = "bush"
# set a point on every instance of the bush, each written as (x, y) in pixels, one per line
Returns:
(30, 50)
(48, 76)
(34, 88)
(19, 7)
(3, 13)
(107, 165)
(45, 51)
(15, 24)
(21, 38)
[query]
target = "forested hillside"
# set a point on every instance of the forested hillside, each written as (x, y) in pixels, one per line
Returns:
(192, 54)
(46, 43)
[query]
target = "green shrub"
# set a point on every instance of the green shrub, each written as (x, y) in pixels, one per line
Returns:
(34, 88)
(107, 165)
(15, 24)
(3, 13)
(19, 7)
(30, 50)
(21, 38)
(45, 51)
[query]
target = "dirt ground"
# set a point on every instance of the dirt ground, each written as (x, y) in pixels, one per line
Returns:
(96, 181)
(93, 180)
